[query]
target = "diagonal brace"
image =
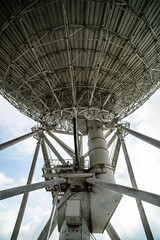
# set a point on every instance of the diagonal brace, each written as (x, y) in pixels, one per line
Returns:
(11, 192)
(132, 192)
(54, 151)
(63, 145)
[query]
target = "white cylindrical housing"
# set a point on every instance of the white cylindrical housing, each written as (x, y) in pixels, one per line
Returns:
(98, 152)
(103, 202)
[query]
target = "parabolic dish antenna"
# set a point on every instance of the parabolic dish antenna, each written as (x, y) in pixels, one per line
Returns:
(79, 67)
(98, 57)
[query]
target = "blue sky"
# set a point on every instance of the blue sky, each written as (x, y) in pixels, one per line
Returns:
(16, 161)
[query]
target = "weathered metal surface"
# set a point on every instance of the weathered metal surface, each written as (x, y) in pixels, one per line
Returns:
(29, 188)
(103, 202)
(111, 232)
(73, 213)
(139, 194)
(25, 196)
(100, 57)
(78, 232)
(15, 141)
(83, 197)
(152, 141)
(142, 213)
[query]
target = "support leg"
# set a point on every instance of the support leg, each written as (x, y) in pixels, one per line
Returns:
(52, 215)
(134, 185)
(25, 196)
(16, 140)
(143, 137)
(132, 192)
(29, 188)
(111, 232)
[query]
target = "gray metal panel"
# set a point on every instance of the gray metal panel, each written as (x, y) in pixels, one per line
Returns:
(73, 212)
(102, 56)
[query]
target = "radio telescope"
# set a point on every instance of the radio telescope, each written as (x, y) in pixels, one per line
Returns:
(79, 68)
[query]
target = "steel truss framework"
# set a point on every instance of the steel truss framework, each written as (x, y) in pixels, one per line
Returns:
(64, 60)
(103, 53)
(59, 172)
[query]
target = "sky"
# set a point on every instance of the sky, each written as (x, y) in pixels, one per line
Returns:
(16, 161)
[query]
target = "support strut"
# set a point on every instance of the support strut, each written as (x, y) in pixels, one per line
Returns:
(25, 196)
(143, 137)
(16, 140)
(52, 215)
(29, 188)
(142, 195)
(111, 232)
(134, 185)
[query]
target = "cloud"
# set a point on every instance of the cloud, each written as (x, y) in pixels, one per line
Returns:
(145, 163)
(7, 219)
(5, 181)
(12, 122)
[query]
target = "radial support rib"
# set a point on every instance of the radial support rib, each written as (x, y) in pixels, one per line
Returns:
(134, 185)
(143, 137)
(54, 151)
(25, 196)
(16, 140)
(111, 232)
(63, 145)
(142, 195)
(29, 188)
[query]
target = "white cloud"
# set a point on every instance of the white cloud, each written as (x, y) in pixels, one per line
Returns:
(7, 219)
(12, 122)
(144, 159)
(5, 181)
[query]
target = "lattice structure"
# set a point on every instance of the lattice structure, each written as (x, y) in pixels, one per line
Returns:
(100, 57)
(79, 67)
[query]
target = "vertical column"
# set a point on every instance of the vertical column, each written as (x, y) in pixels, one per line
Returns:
(134, 185)
(103, 202)
(76, 141)
(25, 196)
(98, 152)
